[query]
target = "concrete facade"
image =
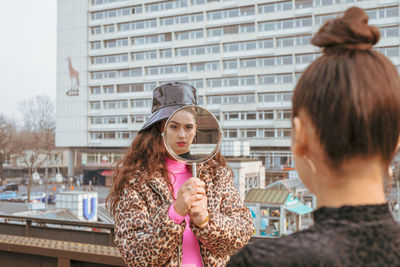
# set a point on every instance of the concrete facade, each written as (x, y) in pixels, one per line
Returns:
(243, 56)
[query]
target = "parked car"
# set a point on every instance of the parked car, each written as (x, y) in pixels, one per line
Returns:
(7, 195)
(9, 187)
(34, 196)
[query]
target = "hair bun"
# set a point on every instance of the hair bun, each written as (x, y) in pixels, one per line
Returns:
(350, 32)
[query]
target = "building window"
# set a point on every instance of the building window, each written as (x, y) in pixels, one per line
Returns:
(305, 58)
(95, 105)
(116, 12)
(166, 53)
(149, 86)
(116, 43)
(305, 3)
(95, 90)
(140, 103)
(95, 30)
(168, 69)
(388, 32)
(139, 118)
(266, 43)
(95, 45)
(205, 66)
(230, 13)
(321, 19)
(109, 120)
(248, 133)
(230, 116)
(384, 12)
(230, 133)
(118, 104)
(275, 7)
(269, 133)
(137, 25)
(230, 64)
(285, 24)
(186, 35)
(283, 114)
(108, 89)
(144, 55)
(293, 41)
(196, 83)
(274, 97)
(109, 28)
(118, 73)
(389, 51)
(181, 19)
(197, 50)
(109, 59)
(266, 115)
(151, 39)
(212, 100)
(100, 2)
(160, 6)
(275, 78)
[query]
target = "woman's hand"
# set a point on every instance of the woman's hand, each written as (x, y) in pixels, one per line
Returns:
(198, 212)
(190, 192)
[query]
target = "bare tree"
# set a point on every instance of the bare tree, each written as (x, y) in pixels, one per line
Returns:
(37, 138)
(7, 132)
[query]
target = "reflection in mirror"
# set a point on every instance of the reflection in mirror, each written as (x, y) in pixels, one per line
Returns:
(192, 134)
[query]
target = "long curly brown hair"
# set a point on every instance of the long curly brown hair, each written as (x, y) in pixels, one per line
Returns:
(147, 151)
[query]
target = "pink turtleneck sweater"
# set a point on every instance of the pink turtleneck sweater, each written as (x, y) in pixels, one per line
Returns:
(191, 256)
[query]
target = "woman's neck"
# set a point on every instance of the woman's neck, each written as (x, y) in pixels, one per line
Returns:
(360, 184)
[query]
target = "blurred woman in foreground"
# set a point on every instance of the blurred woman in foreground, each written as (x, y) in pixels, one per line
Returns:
(346, 126)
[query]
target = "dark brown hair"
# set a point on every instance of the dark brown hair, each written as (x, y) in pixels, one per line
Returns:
(147, 152)
(351, 92)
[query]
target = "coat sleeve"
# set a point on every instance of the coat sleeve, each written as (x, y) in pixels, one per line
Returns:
(231, 226)
(143, 240)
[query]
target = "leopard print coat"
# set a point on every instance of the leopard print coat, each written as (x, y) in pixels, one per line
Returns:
(146, 236)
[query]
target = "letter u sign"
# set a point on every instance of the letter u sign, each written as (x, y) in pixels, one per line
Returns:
(86, 214)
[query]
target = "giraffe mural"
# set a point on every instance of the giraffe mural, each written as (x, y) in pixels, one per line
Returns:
(74, 78)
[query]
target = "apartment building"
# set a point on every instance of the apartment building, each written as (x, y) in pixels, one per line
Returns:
(243, 56)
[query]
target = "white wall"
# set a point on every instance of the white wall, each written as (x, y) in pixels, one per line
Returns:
(72, 40)
(241, 169)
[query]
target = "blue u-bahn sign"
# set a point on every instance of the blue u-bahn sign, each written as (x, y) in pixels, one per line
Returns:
(89, 215)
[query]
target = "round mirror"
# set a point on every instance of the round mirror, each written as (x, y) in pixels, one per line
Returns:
(192, 134)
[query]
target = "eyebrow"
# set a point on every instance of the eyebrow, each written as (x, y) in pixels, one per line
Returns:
(192, 124)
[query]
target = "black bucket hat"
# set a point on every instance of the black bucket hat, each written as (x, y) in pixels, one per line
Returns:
(167, 98)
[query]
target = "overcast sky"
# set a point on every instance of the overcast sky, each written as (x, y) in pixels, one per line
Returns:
(27, 52)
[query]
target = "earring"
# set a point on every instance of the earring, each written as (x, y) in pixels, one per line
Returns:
(311, 163)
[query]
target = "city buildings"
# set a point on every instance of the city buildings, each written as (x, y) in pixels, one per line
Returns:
(243, 56)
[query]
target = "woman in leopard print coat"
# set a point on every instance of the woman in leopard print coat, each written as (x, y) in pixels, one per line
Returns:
(142, 196)
(146, 236)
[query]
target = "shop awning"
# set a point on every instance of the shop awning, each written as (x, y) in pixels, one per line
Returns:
(107, 173)
(267, 196)
(294, 205)
(300, 209)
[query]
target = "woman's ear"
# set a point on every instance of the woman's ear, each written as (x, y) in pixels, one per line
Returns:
(299, 137)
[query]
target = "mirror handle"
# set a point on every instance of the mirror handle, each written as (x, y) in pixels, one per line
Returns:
(194, 170)
(194, 174)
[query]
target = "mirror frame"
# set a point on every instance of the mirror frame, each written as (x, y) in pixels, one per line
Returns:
(189, 161)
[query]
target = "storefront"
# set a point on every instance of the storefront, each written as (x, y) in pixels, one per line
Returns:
(275, 212)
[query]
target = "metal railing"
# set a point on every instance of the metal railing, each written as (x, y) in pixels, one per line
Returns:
(67, 230)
